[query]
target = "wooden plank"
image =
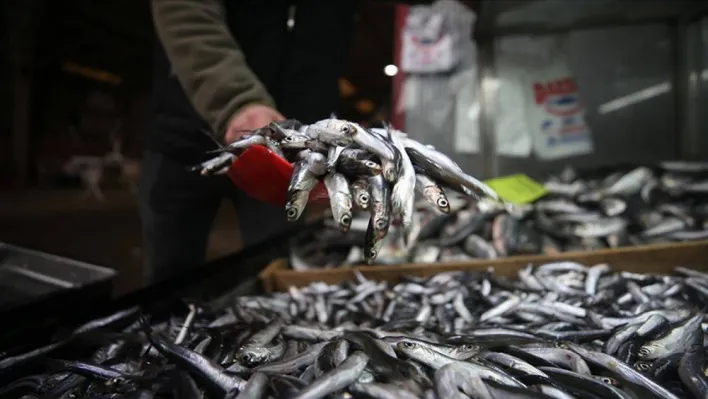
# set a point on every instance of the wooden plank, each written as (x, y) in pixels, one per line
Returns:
(266, 275)
(641, 259)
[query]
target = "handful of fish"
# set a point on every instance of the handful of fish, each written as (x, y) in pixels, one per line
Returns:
(560, 330)
(622, 208)
(379, 170)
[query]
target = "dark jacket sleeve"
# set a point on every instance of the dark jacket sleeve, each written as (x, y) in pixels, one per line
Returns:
(208, 62)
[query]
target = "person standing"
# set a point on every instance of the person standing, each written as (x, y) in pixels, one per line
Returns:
(225, 67)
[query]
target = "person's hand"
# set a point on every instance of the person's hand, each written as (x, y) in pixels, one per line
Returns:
(250, 117)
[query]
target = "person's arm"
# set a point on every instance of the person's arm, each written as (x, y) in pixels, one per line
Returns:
(206, 59)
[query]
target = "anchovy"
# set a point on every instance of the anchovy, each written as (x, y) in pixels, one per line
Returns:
(301, 183)
(340, 199)
(403, 192)
(439, 166)
(457, 333)
(432, 192)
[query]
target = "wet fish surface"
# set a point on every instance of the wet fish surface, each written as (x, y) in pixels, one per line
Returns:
(593, 210)
(559, 330)
(341, 154)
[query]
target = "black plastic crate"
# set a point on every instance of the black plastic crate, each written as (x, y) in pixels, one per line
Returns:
(37, 288)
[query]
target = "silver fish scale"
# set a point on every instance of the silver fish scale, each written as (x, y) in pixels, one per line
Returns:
(575, 216)
(472, 332)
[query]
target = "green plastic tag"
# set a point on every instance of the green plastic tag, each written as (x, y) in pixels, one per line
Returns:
(517, 189)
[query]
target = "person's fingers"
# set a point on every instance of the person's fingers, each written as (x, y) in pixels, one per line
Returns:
(261, 119)
(250, 118)
(277, 116)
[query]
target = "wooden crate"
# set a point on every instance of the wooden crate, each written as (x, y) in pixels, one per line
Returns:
(267, 275)
(640, 259)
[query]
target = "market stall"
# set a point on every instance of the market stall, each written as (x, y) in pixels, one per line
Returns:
(574, 328)
(615, 310)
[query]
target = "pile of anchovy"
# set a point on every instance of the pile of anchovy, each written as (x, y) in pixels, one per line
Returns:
(624, 207)
(378, 169)
(560, 330)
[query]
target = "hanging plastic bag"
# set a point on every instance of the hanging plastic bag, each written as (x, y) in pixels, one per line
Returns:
(428, 44)
(554, 110)
(539, 102)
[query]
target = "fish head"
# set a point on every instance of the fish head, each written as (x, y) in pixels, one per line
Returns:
(277, 132)
(295, 141)
(295, 205)
(642, 366)
(343, 127)
(647, 351)
(440, 199)
(251, 357)
(362, 199)
(414, 350)
(466, 351)
(329, 134)
(345, 221)
(380, 217)
(372, 243)
(390, 173)
(608, 380)
(408, 347)
(372, 166)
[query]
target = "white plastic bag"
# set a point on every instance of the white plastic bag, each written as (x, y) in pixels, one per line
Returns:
(428, 45)
(555, 114)
(539, 101)
(467, 110)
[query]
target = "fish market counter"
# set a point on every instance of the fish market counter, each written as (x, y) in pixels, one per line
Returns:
(606, 324)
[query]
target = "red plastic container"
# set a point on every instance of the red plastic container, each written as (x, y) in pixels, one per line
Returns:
(265, 176)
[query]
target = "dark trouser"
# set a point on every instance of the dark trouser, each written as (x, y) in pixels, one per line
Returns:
(177, 209)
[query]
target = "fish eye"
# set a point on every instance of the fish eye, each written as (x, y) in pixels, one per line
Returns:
(346, 219)
(346, 129)
(370, 164)
(409, 344)
(372, 253)
(363, 198)
(442, 202)
(642, 366)
(380, 224)
(289, 138)
(609, 381)
(292, 212)
(470, 347)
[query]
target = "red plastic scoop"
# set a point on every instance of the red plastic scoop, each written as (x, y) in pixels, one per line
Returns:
(265, 176)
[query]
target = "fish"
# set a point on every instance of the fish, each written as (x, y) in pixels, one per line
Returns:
(606, 212)
(403, 192)
(558, 330)
(301, 184)
(340, 199)
(432, 192)
(692, 370)
(359, 154)
(679, 339)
